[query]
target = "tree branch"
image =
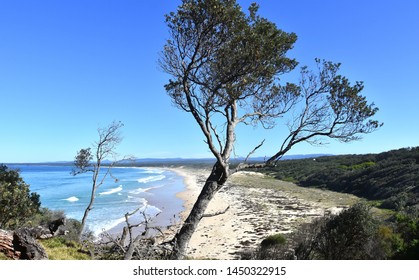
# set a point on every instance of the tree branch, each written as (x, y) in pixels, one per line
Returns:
(216, 213)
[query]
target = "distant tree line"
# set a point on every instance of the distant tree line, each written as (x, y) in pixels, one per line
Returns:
(392, 177)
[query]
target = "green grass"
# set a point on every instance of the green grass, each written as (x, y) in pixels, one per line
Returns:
(60, 249)
(3, 257)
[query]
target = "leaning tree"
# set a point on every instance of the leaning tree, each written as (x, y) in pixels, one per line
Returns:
(225, 66)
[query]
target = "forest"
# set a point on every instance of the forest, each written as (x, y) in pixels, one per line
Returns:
(390, 178)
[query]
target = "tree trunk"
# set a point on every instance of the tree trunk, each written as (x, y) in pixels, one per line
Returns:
(212, 185)
(92, 198)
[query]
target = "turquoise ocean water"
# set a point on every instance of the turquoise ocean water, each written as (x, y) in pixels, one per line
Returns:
(153, 190)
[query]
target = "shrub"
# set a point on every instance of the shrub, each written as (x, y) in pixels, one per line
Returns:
(17, 203)
(354, 234)
(273, 241)
(350, 235)
(408, 228)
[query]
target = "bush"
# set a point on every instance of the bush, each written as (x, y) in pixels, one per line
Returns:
(408, 228)
(351, 235)
(273, 241)
(17, 203)
(354, 234)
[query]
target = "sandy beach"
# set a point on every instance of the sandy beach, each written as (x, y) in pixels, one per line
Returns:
(258, 207)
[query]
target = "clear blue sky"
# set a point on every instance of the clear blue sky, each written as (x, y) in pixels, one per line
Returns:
(67, 67)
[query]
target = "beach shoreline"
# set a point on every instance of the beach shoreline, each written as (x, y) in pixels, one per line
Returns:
(254, 212)
(258, 206)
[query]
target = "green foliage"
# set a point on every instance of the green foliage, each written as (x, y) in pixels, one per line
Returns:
(219, 55)
(391, 242)
(17, 203)
(407, 226)
(362, 165)
(392, 177)
(72, 226)
(3, 257)
(273, 240)
(59, 248)
(45, 216)
(82, 161)
(352, 234)
(272, 247)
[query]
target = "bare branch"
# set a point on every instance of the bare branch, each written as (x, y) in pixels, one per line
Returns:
(109, 137)
(254, 150)
(332, 108)
(216, 213)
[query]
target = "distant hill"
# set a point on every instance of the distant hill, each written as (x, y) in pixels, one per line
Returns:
(175, 161)
(391, 177)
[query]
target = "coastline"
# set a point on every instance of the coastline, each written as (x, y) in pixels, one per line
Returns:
(160, 198)
(258, 207)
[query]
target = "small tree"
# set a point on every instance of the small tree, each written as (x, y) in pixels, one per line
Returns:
(17, 203)
(225, 67)
(88, 161)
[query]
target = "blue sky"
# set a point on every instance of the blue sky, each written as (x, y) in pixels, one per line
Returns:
(67, 67)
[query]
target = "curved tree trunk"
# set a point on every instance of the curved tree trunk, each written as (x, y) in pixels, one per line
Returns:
(213, 184)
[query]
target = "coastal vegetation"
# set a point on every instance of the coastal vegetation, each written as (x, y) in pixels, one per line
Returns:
(17, 203)
(390, 178)
(20, 210)
(359, 232)
(354, 234)
(225, 67)
(386, 180)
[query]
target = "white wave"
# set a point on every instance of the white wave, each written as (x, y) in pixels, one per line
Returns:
(151, 179)
(104, 226)
(111, 191)
(151, 210)
(99, 227)
(71, 199)
(140, 200)
(144, 190)
(153, 171)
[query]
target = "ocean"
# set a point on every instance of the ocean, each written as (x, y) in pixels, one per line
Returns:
(153, 190)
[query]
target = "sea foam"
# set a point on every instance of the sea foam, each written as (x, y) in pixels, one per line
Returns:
(71, 199)
(152, 171)
(151, 179)
(143, 190)
(111, 191)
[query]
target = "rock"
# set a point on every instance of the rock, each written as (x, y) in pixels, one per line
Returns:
(40, 232)
(55, 227)
(22, 244)
(26, 244)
